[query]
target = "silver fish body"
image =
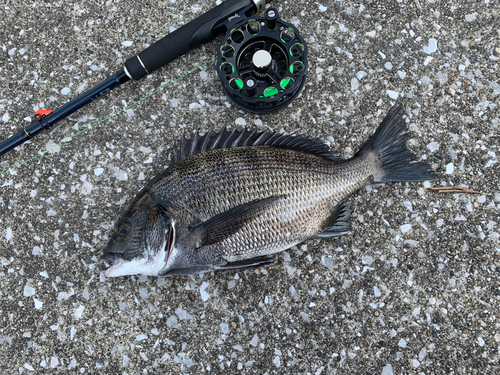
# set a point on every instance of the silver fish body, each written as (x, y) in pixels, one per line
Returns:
(233, 198)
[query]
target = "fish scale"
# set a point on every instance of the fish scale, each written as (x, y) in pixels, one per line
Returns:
(312, 187)
(240, 185)
(221, 207)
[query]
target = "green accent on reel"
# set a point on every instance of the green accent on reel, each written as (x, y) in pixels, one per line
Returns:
(253, 27)
(236, 84)
(270, 92)
(287, 35)
(296, 67)
(297, 50)
(227, 68)
(227, 51)
(287, 83)
(237, 36)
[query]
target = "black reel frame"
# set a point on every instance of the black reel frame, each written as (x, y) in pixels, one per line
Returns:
(262, 63)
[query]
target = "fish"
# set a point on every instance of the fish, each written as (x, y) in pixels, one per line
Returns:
(231, 199)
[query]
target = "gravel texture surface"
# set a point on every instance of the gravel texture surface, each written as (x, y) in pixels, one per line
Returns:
(413, 289)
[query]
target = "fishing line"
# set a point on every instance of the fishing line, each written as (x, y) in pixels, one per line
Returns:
(67, 139)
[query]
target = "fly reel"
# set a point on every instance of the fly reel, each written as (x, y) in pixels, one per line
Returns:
(262, 63)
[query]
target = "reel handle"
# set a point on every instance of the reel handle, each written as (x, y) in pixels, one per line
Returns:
(198, 31)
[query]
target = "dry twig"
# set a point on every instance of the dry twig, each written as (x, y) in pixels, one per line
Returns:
(450, 189)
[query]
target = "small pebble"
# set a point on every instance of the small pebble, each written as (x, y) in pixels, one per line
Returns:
(405, 228)
(432, 47)
(392, 94)
(38, 304)
(387, 370)
(29, 291)
(204, 295)
(449, 168)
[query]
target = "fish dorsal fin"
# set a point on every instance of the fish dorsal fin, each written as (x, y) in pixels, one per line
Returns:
(234, 138)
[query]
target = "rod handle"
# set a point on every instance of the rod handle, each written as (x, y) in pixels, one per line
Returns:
(198, 31)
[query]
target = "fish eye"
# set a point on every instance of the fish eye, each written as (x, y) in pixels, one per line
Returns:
(123, 229)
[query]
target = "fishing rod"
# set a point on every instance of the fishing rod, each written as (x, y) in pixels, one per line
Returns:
(199, 31)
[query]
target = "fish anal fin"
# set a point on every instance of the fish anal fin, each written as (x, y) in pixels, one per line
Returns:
(338, 222)
(247, 263)
(225, 224)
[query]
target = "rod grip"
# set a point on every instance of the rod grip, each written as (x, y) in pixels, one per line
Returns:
(198, 31)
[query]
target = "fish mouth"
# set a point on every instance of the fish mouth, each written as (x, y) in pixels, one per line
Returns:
(115, 258)
(111, 257)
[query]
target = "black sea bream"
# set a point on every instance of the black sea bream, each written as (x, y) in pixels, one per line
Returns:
(230, 199)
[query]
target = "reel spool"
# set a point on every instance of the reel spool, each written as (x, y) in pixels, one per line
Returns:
(262, 63)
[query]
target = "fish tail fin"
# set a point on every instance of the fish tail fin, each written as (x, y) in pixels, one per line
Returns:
(387, 150)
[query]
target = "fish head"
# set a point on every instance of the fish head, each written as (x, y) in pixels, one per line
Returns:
(140, 244)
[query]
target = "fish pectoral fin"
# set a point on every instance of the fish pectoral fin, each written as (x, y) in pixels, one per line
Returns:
(339, 221)
(246, 263)
(225, 224)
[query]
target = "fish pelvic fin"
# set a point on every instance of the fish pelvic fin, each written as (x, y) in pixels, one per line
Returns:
(246, 263)
(387, 150)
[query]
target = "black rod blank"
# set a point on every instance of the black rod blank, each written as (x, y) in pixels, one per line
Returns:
(44, 122)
